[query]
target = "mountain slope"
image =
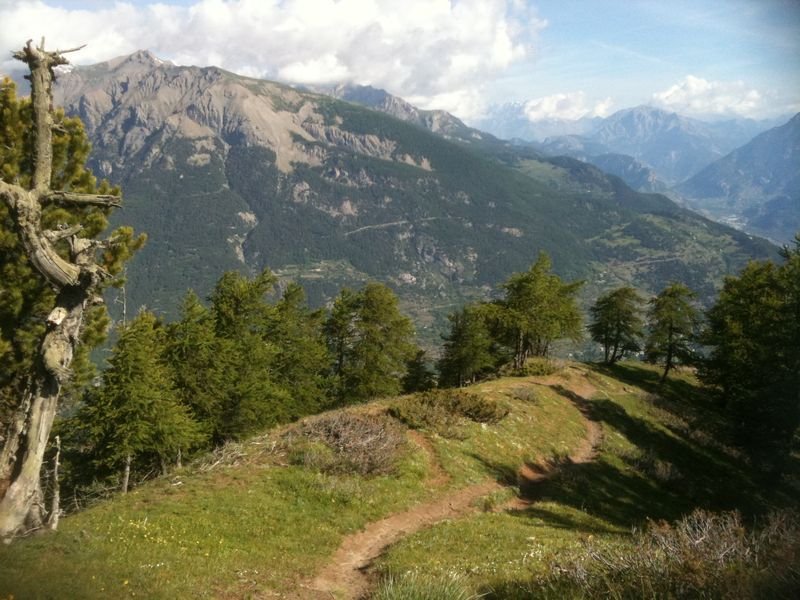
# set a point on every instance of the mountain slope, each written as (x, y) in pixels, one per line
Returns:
(262, 517)
(756, 186)
(228, 172)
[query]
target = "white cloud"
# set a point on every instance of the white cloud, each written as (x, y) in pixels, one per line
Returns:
(695, 96)
(425, 49)
(569, 106)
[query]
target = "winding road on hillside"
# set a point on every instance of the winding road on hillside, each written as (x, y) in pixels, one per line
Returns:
(345, 575)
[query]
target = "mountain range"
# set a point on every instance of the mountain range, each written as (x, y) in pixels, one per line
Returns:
(756, 187)
(227, 172)
(654, 150)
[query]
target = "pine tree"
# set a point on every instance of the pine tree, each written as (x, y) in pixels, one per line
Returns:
(538, 308)
(467, 348)
(617, 323)
(753, 331)
(253, 400)
(370, 341)
(418, 378)
(673, 321)
(302, 360)
(135, 418)
(195, 356)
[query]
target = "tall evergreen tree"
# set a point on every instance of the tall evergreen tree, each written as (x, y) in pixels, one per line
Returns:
(467, 348)
(198, 365)
(135, 418)
(302, 361)
(253, 399)
(617, 323)
(370, 342)
(418, 377)
(538, 308)
(753, 331)
(673, 321)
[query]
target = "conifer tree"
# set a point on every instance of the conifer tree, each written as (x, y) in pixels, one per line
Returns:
(253, 399)
(418, 378)
(371, 342)
(538, 308)
(195, 356)
(673, 321)
(302, 361)
(467, 348)
(617, 323)
(136, 415)
(753, 331)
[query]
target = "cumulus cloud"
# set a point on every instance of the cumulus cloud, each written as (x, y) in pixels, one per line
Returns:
(699, 97)
(425, 49)
(569, 106)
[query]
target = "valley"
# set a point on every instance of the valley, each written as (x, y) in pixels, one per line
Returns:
(225, 172)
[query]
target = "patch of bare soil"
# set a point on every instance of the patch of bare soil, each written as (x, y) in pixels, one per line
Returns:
(345, 575)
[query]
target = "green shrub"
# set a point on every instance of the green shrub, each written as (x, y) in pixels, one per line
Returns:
(474, 407)
(443, 410)
(344, 442)
(526, 394)
(418, 412)
(538, 367)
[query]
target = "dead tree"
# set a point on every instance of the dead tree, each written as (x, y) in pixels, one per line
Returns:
(77, 279)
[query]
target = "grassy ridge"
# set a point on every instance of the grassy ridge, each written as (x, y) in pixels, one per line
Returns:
(660, 458)
(255, 524)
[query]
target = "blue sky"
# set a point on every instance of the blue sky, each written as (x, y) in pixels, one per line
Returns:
(562, 58)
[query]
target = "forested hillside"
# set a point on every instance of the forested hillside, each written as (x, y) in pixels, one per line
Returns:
(225, 172)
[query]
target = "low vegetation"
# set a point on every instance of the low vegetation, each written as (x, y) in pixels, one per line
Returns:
(443, 411)
(663, 455)
(703, 555)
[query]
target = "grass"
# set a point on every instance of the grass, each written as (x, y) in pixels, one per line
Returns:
(255, 525)
(660, 458)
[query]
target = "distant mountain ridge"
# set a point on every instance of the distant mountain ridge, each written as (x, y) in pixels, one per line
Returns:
(673, 146)
(227, 172)
(756, 187)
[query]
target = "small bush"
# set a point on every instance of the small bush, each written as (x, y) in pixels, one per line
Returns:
(413, 586)
(480, 409)
(538, 367)
(704, 555)
(343, 442)
(442, 410)
(418, 413)
(526, 394)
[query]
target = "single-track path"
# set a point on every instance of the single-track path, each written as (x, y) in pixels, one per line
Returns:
(345, 575)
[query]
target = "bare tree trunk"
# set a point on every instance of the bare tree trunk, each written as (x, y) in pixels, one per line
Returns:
(126, 474)
(76, 279)
(55, 505)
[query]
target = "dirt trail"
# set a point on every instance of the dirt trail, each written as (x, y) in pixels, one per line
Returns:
(345, 574)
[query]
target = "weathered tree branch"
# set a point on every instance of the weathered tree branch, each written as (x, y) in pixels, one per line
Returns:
(9, 193)
(82, 199)
(55, 235)
(41, 65)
